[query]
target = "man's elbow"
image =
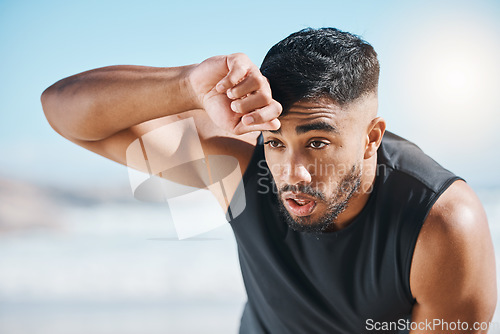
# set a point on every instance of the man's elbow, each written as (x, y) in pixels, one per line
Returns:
(49, 107)
(69, 117)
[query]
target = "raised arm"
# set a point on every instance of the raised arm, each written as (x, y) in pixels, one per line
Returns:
(106, 109)
(96, 104)
(453, 270)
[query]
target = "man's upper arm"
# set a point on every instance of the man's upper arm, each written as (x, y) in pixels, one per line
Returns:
(453, 268)
(167, 145)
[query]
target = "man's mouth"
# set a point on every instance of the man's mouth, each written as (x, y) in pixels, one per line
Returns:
(300, 204)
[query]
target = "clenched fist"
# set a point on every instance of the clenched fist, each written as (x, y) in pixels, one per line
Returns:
(236, 96)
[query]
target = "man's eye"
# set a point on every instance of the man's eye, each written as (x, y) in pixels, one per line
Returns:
(274, 143)
(317, 144)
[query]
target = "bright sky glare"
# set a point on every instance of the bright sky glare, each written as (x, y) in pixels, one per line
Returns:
(438, 87)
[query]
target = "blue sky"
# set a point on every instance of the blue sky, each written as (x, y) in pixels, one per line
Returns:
(438, 85)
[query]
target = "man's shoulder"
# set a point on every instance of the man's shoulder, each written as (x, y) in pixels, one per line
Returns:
(454, 258)
(400, 156)
(456, 214)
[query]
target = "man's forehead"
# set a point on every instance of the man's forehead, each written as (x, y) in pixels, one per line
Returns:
(307, 116)
(311, 107)
(324, 110)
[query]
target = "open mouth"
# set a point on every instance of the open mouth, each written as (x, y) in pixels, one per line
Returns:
(299, 204)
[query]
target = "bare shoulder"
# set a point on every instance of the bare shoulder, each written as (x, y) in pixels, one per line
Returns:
(457, 216)
(453, 266)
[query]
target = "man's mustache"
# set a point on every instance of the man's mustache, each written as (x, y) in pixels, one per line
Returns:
(305, 189)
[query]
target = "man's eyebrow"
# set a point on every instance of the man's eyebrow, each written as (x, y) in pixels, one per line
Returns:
(276, 132)
(322, 126)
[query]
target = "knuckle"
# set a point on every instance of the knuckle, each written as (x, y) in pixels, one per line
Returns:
(243, 91)
(250, 84)
(262, 81)
(266, 98)
(240, 59)
(226, 81)
(241, 56)
(233, 93)
(278, 107)
(234, 79)
(257, 118)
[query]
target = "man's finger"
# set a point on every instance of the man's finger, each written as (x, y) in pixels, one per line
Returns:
(251, 102)
(253, 82)
(238, 70)
(263, 115)
(271, 125)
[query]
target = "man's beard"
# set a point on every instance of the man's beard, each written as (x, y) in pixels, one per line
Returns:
(347, 187)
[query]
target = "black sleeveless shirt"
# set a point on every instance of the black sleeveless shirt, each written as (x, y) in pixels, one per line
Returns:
(349, 281)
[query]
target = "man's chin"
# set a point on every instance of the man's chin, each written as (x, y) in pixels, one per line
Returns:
(300, 226)
(304, 223)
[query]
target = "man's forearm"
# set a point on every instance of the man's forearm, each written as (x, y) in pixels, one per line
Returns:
(99, 103)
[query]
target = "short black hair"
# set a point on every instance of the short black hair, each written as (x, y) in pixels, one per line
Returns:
(325, 62)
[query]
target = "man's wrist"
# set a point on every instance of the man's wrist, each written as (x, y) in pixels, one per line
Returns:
(193, 100)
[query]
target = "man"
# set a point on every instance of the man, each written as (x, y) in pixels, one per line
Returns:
(345, 230)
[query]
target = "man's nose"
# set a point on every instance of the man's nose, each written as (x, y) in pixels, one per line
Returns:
(295, 174)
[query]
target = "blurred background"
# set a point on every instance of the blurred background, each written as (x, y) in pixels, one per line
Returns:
(78, 254)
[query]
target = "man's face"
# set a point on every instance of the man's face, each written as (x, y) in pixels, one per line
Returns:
(316, 159)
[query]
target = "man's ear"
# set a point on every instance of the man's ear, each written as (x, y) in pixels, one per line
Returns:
(376, 130)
